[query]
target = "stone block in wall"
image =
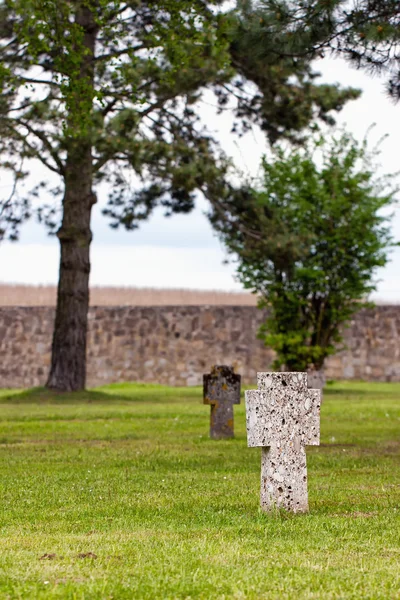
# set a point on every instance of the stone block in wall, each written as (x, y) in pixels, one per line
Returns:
(176, 345)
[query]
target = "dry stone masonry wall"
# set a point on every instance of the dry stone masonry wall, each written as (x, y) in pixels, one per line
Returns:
(175, 345)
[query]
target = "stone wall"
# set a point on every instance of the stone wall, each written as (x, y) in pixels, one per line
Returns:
(175, 345)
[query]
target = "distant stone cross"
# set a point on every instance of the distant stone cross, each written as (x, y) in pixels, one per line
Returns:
(282, 417)
(221, 391)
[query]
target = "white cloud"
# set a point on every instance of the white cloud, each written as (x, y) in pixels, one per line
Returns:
(139, 266)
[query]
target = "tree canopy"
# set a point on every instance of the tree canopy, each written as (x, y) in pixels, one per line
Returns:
(149, 63)
(308, 239)
(152, 62)
(365, 32)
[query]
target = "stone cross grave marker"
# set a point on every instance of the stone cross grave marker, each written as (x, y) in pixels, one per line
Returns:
(282, 416)
(221, 390)
(316, 380)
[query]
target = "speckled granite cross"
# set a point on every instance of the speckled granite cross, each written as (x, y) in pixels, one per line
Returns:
(282, 417)
(221, 390)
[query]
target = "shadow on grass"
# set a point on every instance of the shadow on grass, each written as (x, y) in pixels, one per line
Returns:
(112, 394)
(42, 395)
(345, 392)
(123, 393)
(361, 388)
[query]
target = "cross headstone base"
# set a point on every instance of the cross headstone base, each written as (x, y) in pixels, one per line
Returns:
(284, 479)
(221, 422)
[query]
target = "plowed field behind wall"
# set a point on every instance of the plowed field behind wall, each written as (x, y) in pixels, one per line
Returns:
(29, 295)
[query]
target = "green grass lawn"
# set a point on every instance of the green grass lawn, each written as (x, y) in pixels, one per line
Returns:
(119, 493)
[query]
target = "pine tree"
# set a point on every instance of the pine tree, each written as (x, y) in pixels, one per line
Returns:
(96, 90)
(88, 88)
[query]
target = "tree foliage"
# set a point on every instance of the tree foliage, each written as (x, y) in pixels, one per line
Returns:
(308, 240)
(285, 96)
(151, 59)
(14, 208)
(365, 32)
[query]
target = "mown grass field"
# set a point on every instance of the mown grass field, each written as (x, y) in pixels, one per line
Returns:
(119, 493)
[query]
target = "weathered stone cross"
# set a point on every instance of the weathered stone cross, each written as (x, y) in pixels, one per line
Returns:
(282, 417)
(221, 390)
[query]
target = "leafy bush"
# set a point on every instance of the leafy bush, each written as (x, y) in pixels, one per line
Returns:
(309, 241)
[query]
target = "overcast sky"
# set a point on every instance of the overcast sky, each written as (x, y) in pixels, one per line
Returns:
(182, 251)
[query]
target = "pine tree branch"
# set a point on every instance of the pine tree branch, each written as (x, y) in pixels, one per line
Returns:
(99, 164)
(37, 81)
(118, 53)
(108, 108)
(341, 28)
(35, 152)
(22, 107)
(119, 11)
(157, 105)
(42, 137)
(32, 102)
(10, 43)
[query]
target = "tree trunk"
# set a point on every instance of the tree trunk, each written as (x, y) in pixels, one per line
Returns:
(68, 360)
